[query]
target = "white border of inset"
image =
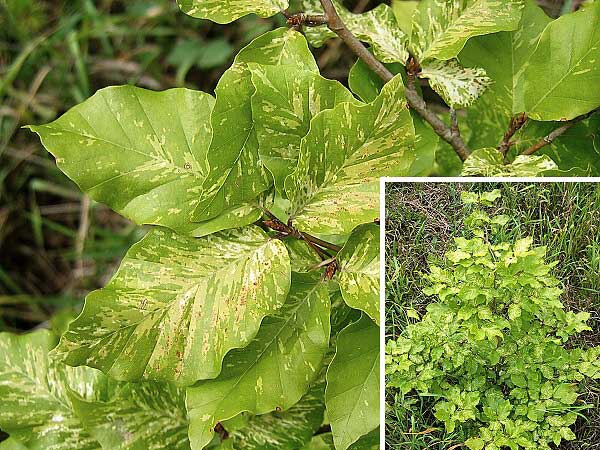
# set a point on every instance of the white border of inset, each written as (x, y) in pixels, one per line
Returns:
(382, 183)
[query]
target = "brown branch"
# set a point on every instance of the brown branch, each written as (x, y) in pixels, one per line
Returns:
(300, 19)
(516, 123)
(335, 24)
(454, 122)
(288, 230)
(416, 102)
(550, 138)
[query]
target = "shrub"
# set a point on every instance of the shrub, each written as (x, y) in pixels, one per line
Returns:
(495, 351)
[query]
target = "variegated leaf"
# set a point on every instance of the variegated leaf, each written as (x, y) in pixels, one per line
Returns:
(352, 393)
(236, 175)
(377, 27)
(225, 11)
(458, 86)
(148, 416)
(143, 153)
(562, 78)
(274, 371)
(441, 28)
(285, 430)
(35, 393)
(177, 305)
(336, 184)
(285, 101)
(489, 162)
(358, 264)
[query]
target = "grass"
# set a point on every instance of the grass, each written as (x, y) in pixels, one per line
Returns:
(422, 219)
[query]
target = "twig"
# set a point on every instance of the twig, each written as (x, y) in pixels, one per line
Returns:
(82, 232)
(441, 129)
(454, 122)
(300, 19)
(550, 138)
(516, 123)
(416, 102)
(288, 230)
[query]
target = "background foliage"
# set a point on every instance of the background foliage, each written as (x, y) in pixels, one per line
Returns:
(422, 219)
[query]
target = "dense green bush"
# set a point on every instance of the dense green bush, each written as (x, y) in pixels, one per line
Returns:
(494, 350)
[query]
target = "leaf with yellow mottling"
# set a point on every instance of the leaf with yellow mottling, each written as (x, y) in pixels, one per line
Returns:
(441, 28)
(274, 371)
(225, 11)
(284, 430)
(285, 101)
(358, 270)
(235, 173)
(143, 153)
(352, 393)
(140, 416)
(377, 27)
(458, 86)
(336, 184)
(489, 162)
(177, 305)
(35, 392)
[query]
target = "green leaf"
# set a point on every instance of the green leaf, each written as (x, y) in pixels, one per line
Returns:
(457, 85)
(274, 371)
(320, 442)
(285, 101)
(489, 162)
(286, 430)
(562, 75)
(235, 174)
(143, 153)
(403, 11)
(352, 394)
(12, 444)
(358, 263)
(426, 145)
(503, 56)
(336, 184)
(377, 27)
(475, 443)
(35, 393)
(364, 82)
(226, 11)
(139, 416)
(177, 305)
(442, 28)
(302, 257)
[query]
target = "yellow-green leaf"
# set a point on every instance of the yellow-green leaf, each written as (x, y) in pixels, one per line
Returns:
(177, 305)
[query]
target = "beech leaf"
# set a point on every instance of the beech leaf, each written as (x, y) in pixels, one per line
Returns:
(336, 184)
(226, 11)
(177, 305)
(143, 153)
(236, 175)
(352, 393)
(358, 264)
(274, 371)
(36, 390)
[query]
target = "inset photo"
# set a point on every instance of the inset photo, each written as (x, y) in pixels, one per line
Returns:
(492, 315)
